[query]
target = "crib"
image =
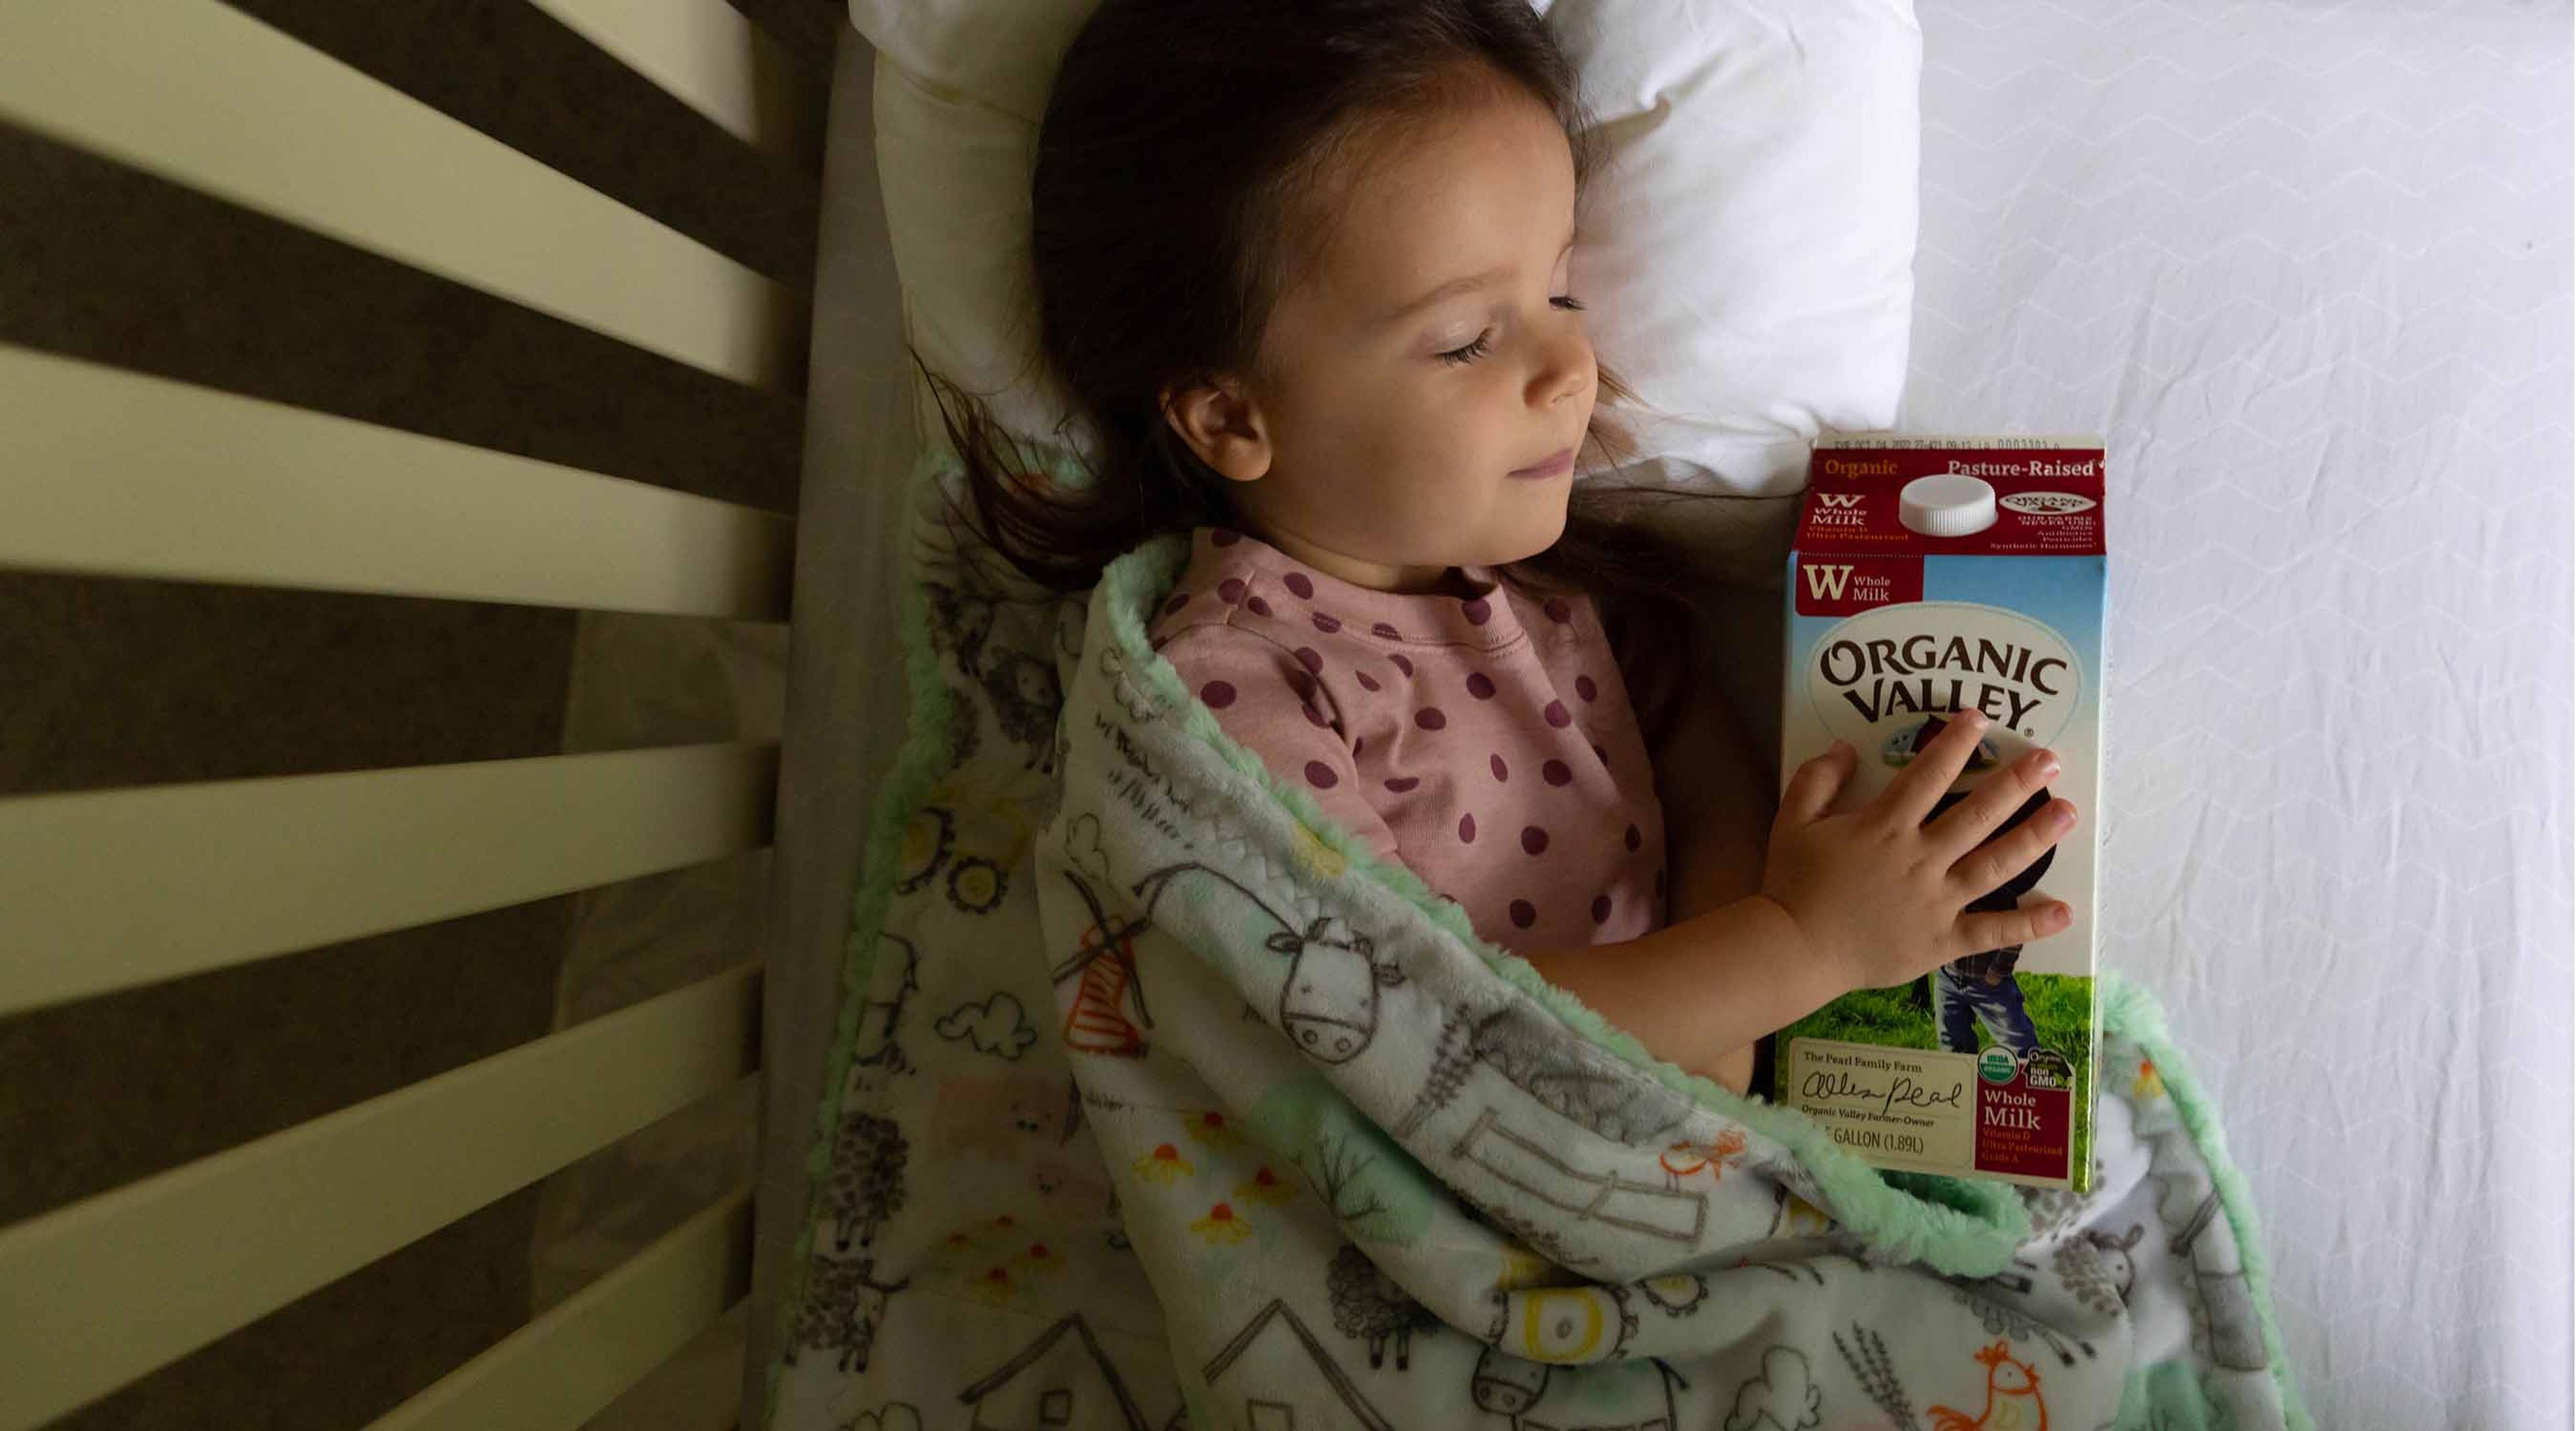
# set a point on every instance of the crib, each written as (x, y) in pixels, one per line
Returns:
(427, 824)
(606, 504)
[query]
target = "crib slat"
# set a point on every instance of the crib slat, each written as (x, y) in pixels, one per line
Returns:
(201, 94)
(105, 890)
(704, 53)
(101, 1292)
(563, 1368)
(118, 473)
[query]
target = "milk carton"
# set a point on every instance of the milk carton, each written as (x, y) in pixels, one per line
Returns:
(1932, 575)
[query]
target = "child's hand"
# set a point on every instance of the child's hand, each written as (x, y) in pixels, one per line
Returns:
(1880, 892)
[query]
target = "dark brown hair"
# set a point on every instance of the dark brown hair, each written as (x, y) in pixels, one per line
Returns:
(1185, 153)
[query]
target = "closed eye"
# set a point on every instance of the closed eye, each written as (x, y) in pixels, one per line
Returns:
(1484, 342)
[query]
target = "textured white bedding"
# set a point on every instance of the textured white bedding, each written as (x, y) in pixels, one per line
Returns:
(2306, 267)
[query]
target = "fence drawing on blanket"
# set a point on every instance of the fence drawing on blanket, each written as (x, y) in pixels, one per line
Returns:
(1525, 1163)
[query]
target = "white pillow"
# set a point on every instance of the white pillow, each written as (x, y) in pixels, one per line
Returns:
(1747, 253)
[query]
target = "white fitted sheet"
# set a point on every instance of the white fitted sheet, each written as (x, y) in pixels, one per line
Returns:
(2306, 268)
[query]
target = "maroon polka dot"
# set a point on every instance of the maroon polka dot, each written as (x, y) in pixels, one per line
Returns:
(1533, 839)
(1176, 603)
(1601, 909)
(1501, 771)
(1479, 611)
(1367, 681)
(1583, 687)
(1327, 624)
(1321, 776)
(1302, 684)
(1636, 838)
(1217, 694)
(1230, 590)
(1257, 606)
(1310, 658)
(1296, 581)
(1557, 611)
(1605, 756)
(1524, 913)
(1315, 718)
(1387, 631)
(1403, 783)
(1481, 686)
(1467, 829)
(1557, 772)
(1558, 715)
(1402, 662)
(1430, 718)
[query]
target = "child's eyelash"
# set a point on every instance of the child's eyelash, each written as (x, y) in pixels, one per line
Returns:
(1484, 342)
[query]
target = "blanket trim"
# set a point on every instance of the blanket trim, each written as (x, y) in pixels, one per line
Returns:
(2135, 1014)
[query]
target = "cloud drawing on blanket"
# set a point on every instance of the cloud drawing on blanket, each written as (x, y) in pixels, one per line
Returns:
(995, 1026)
(1784, 1397)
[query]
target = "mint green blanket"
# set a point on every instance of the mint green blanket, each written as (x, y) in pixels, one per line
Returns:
(1158, 1102)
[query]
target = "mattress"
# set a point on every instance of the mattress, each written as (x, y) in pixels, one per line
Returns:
(2306, 268)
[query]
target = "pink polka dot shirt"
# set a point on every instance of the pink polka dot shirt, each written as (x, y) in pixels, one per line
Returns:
(1483, 740)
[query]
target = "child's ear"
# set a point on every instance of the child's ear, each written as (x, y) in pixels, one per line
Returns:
(1223, 425)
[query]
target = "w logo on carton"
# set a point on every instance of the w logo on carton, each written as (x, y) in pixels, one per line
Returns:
(1846, 586)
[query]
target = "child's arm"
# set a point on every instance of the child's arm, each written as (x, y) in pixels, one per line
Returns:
(1719, 801)
(1704, 987)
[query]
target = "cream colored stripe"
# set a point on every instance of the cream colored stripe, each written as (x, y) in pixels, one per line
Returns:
(559, 1371)
(707, 55)
(101, 1292)
(121, 474)
(104, 890)
(199, 93)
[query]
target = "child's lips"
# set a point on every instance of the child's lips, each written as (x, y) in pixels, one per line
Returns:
(1556, 466)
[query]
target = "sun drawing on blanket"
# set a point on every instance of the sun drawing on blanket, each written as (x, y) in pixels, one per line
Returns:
(1221, 1225)
(1164, 1165)
(1212, 1129)
(1265, 1186)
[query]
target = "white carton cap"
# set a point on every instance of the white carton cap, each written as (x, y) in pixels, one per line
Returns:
(1948, 505)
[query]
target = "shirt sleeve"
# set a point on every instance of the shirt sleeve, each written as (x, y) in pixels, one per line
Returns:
(1272, 706)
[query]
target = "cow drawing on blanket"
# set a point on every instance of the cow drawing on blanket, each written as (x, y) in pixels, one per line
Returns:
(1329, 1003)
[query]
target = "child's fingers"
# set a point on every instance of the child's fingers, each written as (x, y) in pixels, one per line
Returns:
(1920, 786)
(1811, 791)
(1979, 932)
(1986, 867)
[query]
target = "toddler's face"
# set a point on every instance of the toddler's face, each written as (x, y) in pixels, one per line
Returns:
(1424, 385)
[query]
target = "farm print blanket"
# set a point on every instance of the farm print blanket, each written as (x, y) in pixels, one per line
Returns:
(1160, 1103)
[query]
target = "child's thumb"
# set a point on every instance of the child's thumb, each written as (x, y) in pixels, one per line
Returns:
(1812, 790)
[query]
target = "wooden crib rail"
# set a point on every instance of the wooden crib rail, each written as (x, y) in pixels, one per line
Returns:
(137, 1277)
(105, 890)
(197, 92)
(112, 474)
(214, 486)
